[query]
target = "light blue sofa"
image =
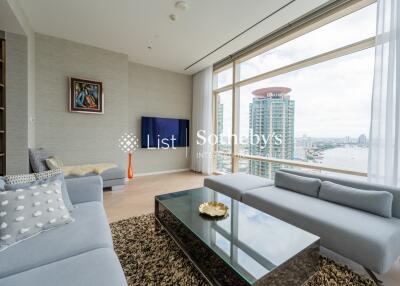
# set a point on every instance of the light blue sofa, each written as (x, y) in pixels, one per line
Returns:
(77, 254)
(236, 185)
(370, 240)
(113, 178)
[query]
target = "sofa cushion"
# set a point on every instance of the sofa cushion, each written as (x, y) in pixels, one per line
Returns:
(52, 175)
(40, 178)
(300, 184)
(37, 159)
(110, 174)
(371, 240)
(113, 173)
(28, 212)
(376, 202)
(89, 231)
(85, 189)
(98, 267)
(235, 185)
(358, 184)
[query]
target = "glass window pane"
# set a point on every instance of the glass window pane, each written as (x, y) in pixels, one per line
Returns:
(343, 176)
(260, 168)
(223, 244)
(319, 114)
(224, 130)
(224, 78)
(352, 28)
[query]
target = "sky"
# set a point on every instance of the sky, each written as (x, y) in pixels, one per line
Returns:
(332, 99)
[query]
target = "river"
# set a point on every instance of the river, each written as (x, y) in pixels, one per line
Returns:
(350, 157)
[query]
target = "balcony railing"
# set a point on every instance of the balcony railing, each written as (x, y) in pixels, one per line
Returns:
(294, 163)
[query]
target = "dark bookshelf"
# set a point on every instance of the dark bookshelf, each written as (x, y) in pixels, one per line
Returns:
(2, 106)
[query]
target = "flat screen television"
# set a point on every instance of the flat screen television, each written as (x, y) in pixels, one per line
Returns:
(164, 133)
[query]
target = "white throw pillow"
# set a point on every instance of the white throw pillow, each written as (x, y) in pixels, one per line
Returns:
(27, 212)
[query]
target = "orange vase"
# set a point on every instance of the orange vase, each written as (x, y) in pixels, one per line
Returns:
(130, 168)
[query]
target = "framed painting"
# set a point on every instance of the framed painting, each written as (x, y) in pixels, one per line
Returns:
(86, 96)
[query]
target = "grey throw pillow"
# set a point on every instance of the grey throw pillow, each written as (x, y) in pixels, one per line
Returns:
(48, 174)
(299, 184)
(27, 212)
(19, 179)
(37, 158)
(376, 202)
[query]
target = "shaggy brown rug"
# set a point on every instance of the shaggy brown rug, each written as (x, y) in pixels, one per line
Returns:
(150, 257)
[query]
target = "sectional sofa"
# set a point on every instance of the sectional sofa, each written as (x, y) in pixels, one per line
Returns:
(79, 253)
(356, 219)
(112, 178)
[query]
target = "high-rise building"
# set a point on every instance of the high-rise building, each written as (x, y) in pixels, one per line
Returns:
(223, 162)
(220, 119)
(271, 119)
(362, 140)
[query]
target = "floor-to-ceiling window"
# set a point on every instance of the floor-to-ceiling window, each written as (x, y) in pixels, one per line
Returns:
(303, 101)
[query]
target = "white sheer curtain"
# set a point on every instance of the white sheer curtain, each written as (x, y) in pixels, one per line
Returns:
(201, 154)
(384, 159)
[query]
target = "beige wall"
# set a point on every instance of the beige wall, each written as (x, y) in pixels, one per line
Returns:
(131, 91)
(16, 104)
(160, 93)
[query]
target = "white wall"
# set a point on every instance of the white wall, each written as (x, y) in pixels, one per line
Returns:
(16, 104)
(31, 92)
(18, 23)
(159, 93)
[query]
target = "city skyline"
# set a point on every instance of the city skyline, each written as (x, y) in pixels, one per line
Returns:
(325, 102)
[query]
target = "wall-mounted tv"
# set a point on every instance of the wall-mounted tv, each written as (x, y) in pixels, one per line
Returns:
(164, 133)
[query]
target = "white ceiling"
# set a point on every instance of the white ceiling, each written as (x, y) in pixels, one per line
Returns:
(130, 26)
(8, 21)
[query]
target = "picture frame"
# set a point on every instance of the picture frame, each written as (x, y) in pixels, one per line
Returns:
(86, 96)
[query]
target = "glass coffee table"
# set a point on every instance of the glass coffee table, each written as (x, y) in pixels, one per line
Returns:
(248, 247)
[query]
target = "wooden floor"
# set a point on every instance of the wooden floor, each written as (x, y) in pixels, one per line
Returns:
(137, 198)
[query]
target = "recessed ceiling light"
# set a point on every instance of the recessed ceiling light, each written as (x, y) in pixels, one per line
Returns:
(173, 17)
(181, 5)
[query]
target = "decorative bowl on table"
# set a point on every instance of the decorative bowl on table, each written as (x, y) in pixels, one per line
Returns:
(213, 209)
